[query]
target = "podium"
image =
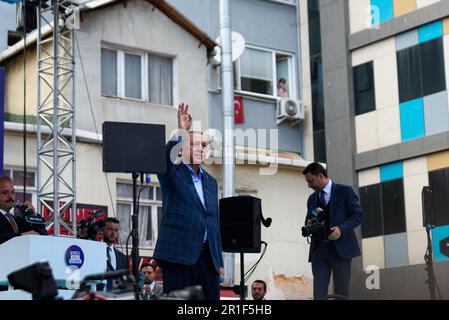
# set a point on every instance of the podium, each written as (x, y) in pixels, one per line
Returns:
(70, 259)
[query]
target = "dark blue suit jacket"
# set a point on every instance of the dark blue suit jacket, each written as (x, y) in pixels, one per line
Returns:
(184, 218)
(345, 213)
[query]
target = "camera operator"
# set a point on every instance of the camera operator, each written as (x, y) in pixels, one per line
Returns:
(333, 211)
(11, 225)
(115, 259)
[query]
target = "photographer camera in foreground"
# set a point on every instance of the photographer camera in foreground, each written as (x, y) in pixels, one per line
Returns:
(333, 211)
(13, 225)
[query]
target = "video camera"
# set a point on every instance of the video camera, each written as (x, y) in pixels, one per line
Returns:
(36, 221)
(318, 226)
(88, 229)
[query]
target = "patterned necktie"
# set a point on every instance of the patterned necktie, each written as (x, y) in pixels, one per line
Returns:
(12, 222)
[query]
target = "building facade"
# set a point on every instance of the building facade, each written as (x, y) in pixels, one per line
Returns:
(386, 117)
(121, 53)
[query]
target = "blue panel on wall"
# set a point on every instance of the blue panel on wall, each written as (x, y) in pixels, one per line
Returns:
(412, 120)
(396, 252)
(430, 31)
(391, 171)
(440, 242)
(381, 11)
(2, 116)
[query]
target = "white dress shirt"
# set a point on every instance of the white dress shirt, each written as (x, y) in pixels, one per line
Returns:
(113, 256)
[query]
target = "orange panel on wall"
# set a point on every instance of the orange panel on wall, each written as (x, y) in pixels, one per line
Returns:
(402, 7)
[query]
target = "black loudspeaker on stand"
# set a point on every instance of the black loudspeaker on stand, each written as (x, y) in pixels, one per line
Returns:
(240, 219)
(135, 148)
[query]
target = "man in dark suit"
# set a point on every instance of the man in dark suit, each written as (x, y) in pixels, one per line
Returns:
(150, 289)
(188, 247)
(116, 260)
(333, 249)
(11, 225)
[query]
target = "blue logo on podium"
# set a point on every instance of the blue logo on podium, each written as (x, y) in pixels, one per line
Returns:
(74, 256)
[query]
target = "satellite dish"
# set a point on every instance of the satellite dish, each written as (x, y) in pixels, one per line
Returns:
(238, 46)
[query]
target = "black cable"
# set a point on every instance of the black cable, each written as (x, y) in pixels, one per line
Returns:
(251, 270)
(432, 277)
(142, 187)
(93, 117)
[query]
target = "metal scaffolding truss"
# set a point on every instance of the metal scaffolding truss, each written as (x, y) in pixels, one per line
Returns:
(56, 139)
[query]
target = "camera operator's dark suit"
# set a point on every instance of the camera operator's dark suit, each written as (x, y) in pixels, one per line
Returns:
(344, 211)
(7, 232)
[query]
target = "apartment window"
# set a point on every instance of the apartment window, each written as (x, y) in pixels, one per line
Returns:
(393, 206)
(160, 79)
(421, 70)
(439, 182)
(17, 178)
(133, 76)
(432, 64)
(260, 70)
(384, 208)
(141, 76)
(150, 211)
(370, 200)
(108, 72)
(364, 88)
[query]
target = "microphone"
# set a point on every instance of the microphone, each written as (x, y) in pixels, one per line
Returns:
(107, 275)
(16, 205)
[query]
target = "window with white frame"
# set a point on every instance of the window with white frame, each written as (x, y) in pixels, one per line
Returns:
(261, 71)
(137, 75)
(17, 177)
(150, 213)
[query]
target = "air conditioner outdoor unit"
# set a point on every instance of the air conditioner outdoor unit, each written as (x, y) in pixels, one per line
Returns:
(289, 109)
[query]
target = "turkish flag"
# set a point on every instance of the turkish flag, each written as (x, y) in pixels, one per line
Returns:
(239, 115)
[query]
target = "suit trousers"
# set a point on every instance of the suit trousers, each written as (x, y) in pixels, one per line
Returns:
(178, 276)
(326, 260)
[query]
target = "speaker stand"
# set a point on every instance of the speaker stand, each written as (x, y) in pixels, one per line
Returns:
(242, 277)
(135, 230)
(431, 280)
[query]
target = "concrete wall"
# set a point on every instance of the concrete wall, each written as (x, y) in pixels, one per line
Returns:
(265, 24)
(139, 27)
